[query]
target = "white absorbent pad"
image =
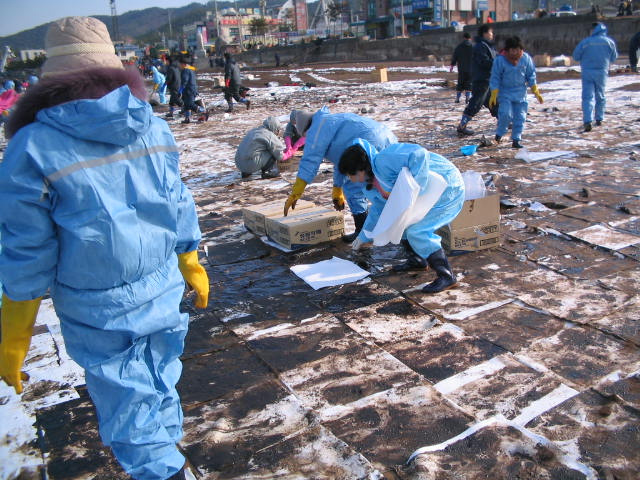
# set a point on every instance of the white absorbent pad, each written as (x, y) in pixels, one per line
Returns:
(404, 207)
(329, 273)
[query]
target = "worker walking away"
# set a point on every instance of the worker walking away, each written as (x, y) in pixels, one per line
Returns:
(481, 63)
(174, 82)
(362, 162)
(512, 71)
(95, 213)
(188, 88)
(595, 53)
(260, 150)
(233, 83)
(462, 58)
(328, 135)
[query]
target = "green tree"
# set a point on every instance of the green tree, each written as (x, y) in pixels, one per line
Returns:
(334, 11)
(258, 26)
(32, 64)
(288, 21)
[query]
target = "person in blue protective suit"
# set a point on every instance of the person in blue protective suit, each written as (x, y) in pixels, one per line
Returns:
(512, 71)
(159, 84)
(94, 211)
(482, 58)
(8, 85)
(362, 162)
(594, 53)
(327, 136)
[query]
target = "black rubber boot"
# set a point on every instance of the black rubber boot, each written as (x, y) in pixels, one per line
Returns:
(414, 261)
(464, 130)
(446, 279)
(273, 172)
(358, 219)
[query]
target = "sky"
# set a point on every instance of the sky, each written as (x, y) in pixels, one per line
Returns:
(16, 16)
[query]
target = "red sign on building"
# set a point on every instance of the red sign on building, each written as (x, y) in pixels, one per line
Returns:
(300, 7)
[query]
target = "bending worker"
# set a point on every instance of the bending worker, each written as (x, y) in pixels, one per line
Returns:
(100, 218)
(328, 135)
(362, 162)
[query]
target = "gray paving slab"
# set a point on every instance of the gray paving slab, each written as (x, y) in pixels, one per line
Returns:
(528, 369)
(608, 446)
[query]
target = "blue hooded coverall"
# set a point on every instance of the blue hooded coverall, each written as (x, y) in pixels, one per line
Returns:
(93, 208)
(328, 137)
(387, 164)
(511, 81)
(159, 80)
(595, 53)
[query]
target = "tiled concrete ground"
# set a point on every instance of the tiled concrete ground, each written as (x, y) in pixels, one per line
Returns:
(528, 369)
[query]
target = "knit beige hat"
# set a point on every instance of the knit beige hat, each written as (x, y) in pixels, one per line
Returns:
(78, 43)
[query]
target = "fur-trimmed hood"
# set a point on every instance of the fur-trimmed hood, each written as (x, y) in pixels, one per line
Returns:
(57, 90)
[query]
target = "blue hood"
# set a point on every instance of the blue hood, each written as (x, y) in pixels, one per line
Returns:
(118, 118)
(599, 29)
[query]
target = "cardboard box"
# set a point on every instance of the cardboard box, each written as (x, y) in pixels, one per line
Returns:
(307, 227)
(542, 60)
(379, 74)
(477, 226)
(254, 216)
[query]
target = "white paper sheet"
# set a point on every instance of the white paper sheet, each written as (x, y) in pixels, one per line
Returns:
(404, 207)
(329, 273)
(530, 157)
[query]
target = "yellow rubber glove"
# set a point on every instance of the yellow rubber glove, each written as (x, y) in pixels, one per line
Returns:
(338, 198)
(493, 100)
(296, 193)
(17, 321)
(536, 92)
(196, 276)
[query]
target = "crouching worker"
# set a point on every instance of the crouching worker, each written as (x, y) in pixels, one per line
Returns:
(94, 212)
(260, 150)
(380, 170)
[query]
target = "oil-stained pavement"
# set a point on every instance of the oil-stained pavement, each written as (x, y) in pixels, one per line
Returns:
(528, 370)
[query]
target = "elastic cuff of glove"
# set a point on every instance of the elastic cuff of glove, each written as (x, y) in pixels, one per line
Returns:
(188, 259)
(298, 187)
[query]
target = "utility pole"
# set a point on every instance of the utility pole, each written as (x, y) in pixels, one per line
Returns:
(215, 7)
(402, 17)
(6, 53)
(239, 20)
(114, 20)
